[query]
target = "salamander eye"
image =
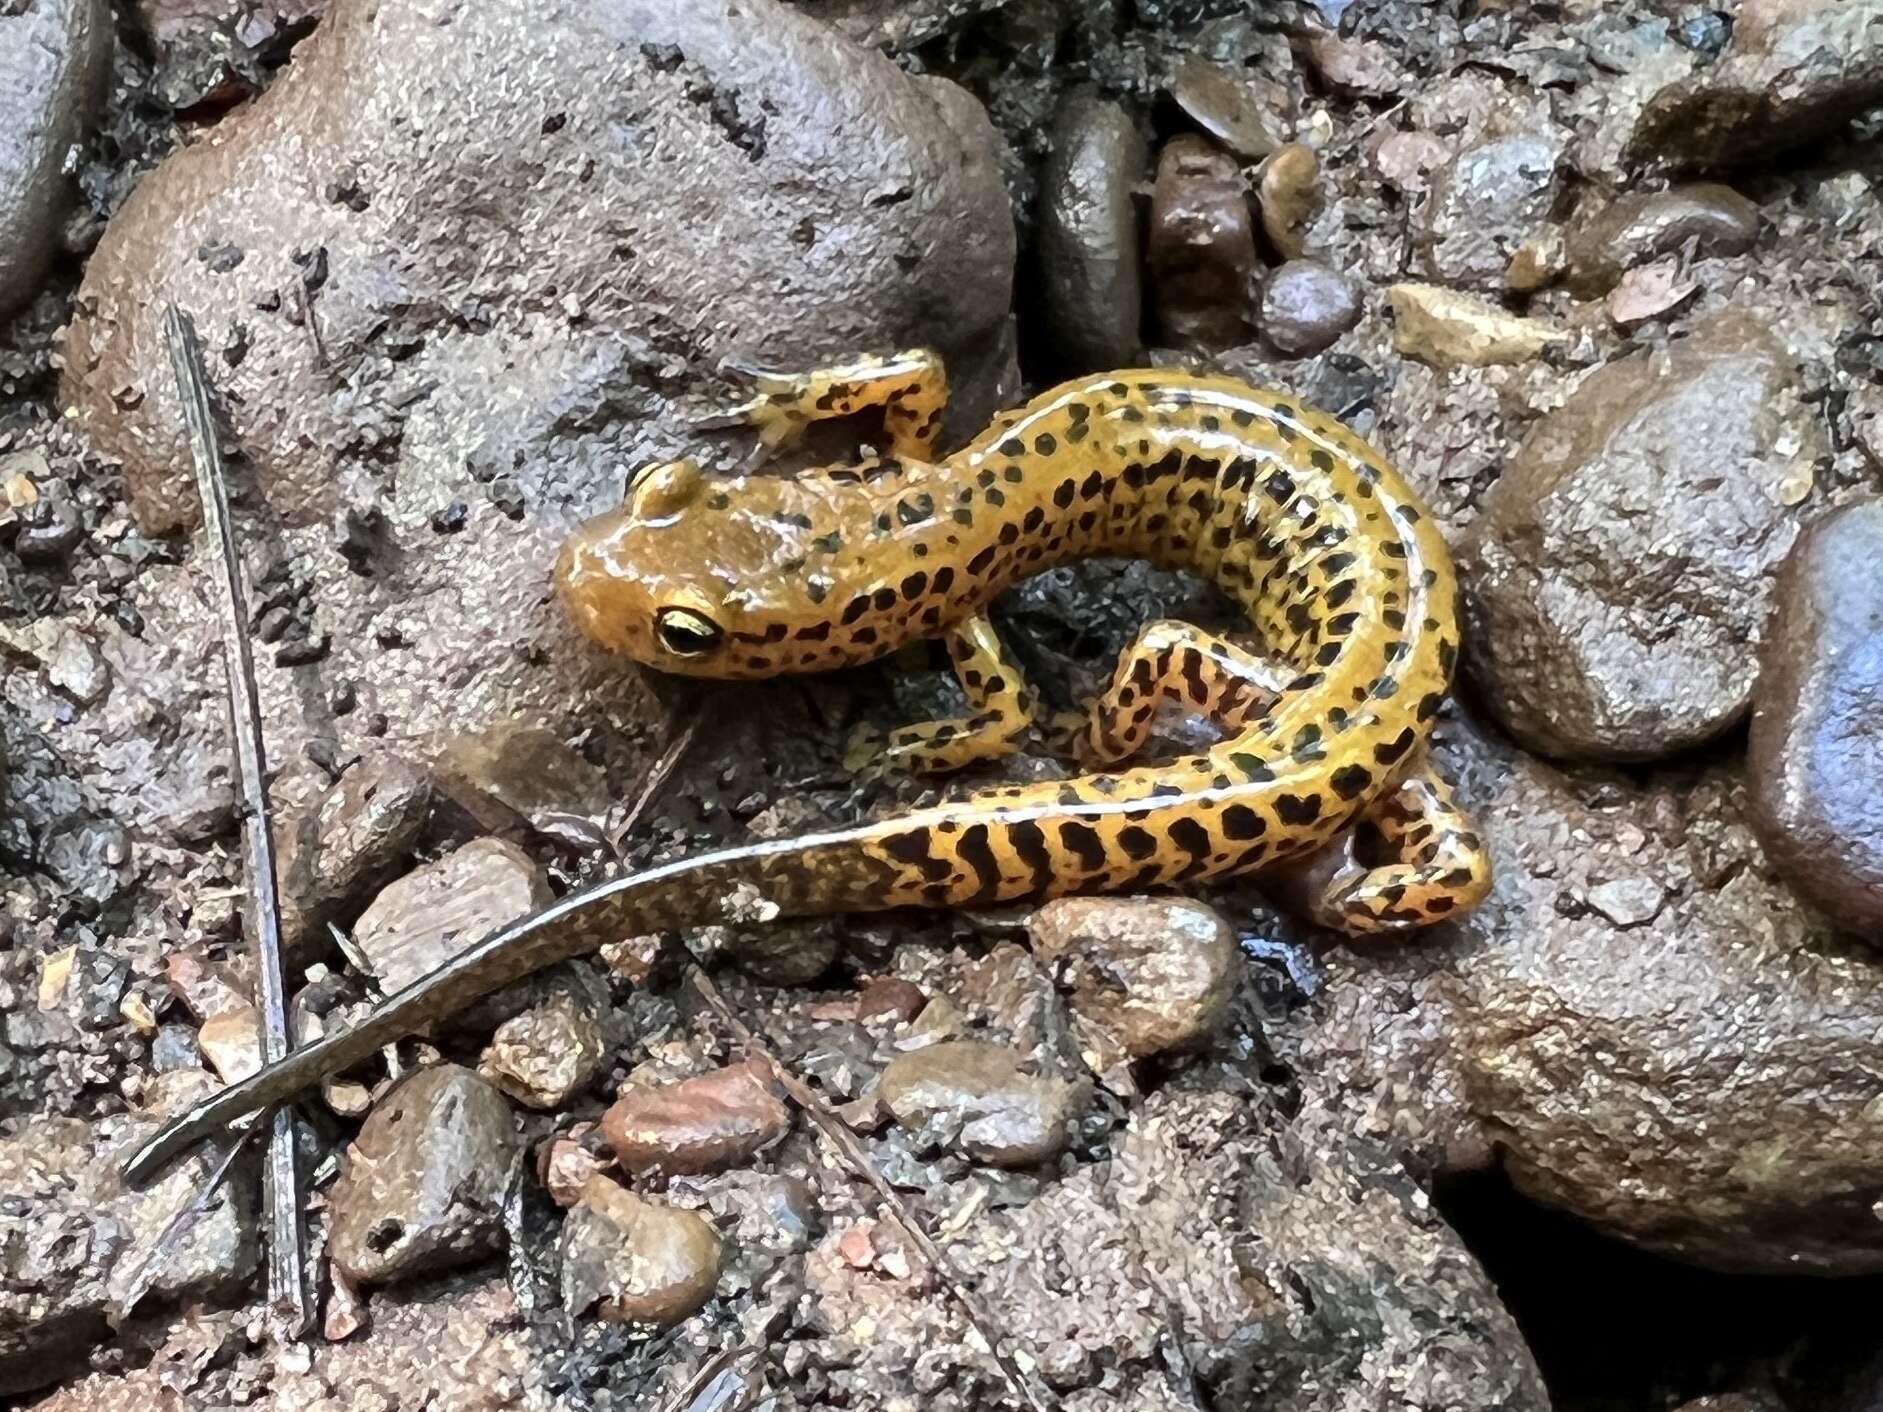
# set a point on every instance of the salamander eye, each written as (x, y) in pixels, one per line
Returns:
(686, 633)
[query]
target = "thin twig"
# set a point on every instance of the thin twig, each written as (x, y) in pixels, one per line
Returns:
(840, 1137)
(656, 777)
(288, 1300)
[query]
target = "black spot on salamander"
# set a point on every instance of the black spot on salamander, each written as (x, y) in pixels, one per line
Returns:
(915, 509)
(1083, 842)
(1131, 414)
(815, 589)
(855, 609)
(1350, 780)
(719, 502)
(1035, 518)
(1092, 485)
(1241, 822)
(1029, 845)
(1253, 767)
(986, 478)
(1447, 656)
(796, 520)
(1169, 464)
(1078, 432)
(1329, 654)
(996, 499)
(1298, 808)
(944, 579)
(1087, 520)
(1342, 623)
(1242, 417)
(974, 850)
(1280, 487)
(1389, 751)
(964, 517)
(1009, 532)
(915, 848)
(1397, 650)
(1386, 688)
(1063, 494)
(1012, 446)
(1191, 837)
(865, 636)
(1393, 549)
(1045, 443)
(1407, 513)
(1321, 460)
(828, 543)
(1429, 705)
(1337, 563)
(1300, 618)
(884, 599)
(982, 562)
(815, 632)
(1138, 844)
(1339, 593)
(913, 585)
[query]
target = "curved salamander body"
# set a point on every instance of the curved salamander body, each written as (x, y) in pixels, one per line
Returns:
(1321, 780)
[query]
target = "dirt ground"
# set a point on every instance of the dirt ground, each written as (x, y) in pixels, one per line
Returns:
(1604, 280)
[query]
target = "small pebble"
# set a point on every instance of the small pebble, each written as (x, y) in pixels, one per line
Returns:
(547, 1054)
(423, 1184)
(975, 1096)
(232, 1042)
(1236, 108)
(635, 1261)
(565, 1163)
(1448, 328)
(426, 917)
(49, 531)
(1201, 248)
(892, 998)
(1644, 226)
(1306, 307)
(702, 1124)
(1291, 197)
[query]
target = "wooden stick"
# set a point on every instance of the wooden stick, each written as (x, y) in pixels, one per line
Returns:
(288, 1303)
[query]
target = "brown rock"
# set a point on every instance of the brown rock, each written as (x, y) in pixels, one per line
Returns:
(1306, 307)
(892, 997)
(55, 56)
(1291, 197)
(917, 155)
(1241, 112)
(428, 916)
(423, 1184)
(529, 771)
(975, 1096)
(1817, 725)
(231, 1040)
(1650, 292)
(1643, 226)
(565, 1163)
(1446, 329)
(1201, 246)
(1793, 71)
(1092, 293)
(205, 987)
(352, 842)
(547, 1054)
(635, 1261)
(1357, 67)
(1540, 259)
(1157, 972)
(1484, 201)
(702, 1124)
(1624, 562)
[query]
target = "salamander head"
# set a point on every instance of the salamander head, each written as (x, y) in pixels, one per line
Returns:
(708, 577)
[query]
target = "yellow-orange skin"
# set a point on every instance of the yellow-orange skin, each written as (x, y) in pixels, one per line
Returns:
(1288, 511)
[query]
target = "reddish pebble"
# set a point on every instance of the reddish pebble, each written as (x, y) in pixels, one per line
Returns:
(891, 995)
(699, 1125)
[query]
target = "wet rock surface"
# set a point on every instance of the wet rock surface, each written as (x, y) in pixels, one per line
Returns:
(975, 1096)
(1624, 562)
(634, 1260)
(1089, 245)
(1483, 202)
(54, 58)
(702, 1124)
(423, 919)
(1640, 227)
(1200, 249)
(1817, 727)
(1306, 307)
(1157, 973)
(547, 1054)
(423, 1183)
(353, 842)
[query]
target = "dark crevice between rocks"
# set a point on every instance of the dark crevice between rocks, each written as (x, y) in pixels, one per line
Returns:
(1617, 1329)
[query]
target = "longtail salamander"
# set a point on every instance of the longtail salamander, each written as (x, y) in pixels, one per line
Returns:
(1322, 777)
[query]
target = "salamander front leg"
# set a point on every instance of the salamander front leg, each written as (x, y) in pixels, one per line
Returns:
(911, 387)
(1175, 662)
(1001, 708)
(1411, 860)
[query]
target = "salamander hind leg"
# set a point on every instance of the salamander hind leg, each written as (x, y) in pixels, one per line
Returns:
(911, 388)
(1412, 860)
(1172, 661)
(1001, 705)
